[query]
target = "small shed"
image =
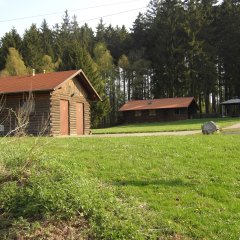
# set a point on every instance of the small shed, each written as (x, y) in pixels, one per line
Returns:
(159, 110)
(61, 102)
(231, 107)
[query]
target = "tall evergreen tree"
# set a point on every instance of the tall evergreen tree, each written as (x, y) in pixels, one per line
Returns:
(139, 33)
(46, 39)
(200, 57)
(100, 31)
(117, 41)
(228, 32)
(87, 38)
(166, 45)
(32, 51)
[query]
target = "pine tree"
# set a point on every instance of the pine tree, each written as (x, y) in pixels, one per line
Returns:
(46, 39)
(166, 47)
(201, 57)
(139, 33)
(87, 38)
(65, 27)
(228, 33)
(117, 41)
(100, 34)
(32, 51)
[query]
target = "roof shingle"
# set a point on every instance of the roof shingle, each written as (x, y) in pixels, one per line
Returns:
(231, 101)
(164, 103)
(42, 82)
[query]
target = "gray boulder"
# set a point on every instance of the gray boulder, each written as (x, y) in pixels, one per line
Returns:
(209, 127)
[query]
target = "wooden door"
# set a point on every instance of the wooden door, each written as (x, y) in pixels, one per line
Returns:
(64, 117)
(80, 118)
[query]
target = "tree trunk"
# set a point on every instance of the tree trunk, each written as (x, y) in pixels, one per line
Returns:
(124, 87)
(207, 103)
(214, 108)
(200, 104)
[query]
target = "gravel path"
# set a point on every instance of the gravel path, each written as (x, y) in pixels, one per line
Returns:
(234, 129)
(178, 133)
(237, 125)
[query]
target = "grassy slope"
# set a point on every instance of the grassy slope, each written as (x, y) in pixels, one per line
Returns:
(39, 195)
(191, 184)
(194, 124)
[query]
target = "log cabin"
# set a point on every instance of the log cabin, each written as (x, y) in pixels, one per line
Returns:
(158, 110)
(61, 102)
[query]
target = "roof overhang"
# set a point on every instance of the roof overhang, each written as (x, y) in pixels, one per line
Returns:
(46, 83)
(25, 91)
(155, 104)
(93, 95)
(155, 108)
(231, 102)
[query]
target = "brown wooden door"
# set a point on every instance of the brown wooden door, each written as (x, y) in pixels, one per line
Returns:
(64, 117)
(79, 118)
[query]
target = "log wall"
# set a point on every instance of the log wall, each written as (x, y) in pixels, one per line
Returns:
(38, 119)
(162, 115)
(73, 92)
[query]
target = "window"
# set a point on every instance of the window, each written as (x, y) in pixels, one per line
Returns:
(179, 111)
(138, 113)
(152, 112)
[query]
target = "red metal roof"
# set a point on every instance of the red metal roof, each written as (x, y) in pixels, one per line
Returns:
(42, 82)
(164, 103)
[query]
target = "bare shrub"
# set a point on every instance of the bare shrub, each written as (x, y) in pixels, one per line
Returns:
(19, 118)
(15, 150)
(22, 115)
(2, 103)
(4, 116)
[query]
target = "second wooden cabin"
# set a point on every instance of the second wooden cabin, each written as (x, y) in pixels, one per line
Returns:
(158, 110)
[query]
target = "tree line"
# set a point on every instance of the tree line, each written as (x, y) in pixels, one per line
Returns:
(174, 49)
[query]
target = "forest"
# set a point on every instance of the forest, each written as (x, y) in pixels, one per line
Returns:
(173, 49)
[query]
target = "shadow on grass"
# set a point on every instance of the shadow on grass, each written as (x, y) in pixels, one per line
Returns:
(139, 183)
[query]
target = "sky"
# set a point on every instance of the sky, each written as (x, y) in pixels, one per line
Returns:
(22, 13)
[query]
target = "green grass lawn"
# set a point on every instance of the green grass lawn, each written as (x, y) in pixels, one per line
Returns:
(183, 125)
(191, 184)
(184, 187)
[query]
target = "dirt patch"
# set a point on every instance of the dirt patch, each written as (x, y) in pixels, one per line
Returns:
(74, 229)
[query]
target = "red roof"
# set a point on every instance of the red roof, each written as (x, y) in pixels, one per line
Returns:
(164, 103)
(43, 82)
